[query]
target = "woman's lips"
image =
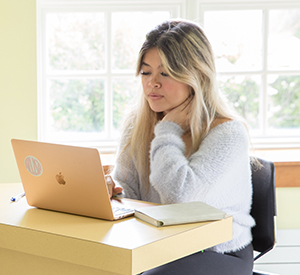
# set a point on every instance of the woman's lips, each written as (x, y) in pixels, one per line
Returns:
(155, 96)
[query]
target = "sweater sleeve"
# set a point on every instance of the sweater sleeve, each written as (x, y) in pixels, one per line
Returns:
(178, 179)
(125, 173)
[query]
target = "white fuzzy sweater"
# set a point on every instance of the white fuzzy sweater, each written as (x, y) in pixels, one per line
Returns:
(218, 174)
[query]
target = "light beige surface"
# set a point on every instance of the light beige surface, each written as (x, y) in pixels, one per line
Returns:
(57, 243)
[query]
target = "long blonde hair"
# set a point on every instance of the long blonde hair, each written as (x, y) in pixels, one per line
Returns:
(187, 57)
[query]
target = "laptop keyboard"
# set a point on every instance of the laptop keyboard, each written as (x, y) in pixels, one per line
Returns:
(120, 211)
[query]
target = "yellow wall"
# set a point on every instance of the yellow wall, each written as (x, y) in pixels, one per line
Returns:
(18, 97)
(18, 88)
(288, 207)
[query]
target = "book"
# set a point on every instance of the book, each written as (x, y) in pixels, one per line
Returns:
(180, 213)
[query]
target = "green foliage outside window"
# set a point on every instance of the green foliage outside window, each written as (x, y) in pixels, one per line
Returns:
(77, 105)
(284, 101)
(244, 98)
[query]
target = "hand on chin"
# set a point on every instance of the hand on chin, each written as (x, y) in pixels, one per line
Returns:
(179, 114)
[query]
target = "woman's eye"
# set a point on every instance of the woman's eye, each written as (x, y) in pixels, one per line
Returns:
(164, 74)
(145, 73)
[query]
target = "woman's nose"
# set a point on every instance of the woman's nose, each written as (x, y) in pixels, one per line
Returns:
(154, 83)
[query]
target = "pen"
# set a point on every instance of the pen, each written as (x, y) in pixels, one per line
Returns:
(16, 198)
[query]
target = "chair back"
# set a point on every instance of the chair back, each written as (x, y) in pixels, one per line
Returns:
(263, 207)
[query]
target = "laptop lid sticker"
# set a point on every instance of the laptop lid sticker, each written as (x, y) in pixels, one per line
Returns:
(33, 166)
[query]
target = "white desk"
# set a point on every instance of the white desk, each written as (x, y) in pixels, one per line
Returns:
(35, 241)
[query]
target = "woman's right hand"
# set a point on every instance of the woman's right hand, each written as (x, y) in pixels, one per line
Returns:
(112, 188)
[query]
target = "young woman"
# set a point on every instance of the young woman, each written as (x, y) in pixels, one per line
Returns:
(182, 143)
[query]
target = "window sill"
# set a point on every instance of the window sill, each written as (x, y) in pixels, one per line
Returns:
(276, 144)
(287, 165)
(286, 160)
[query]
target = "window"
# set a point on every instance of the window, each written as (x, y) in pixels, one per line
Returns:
(87, 52)
(257, 51)
(87, 64)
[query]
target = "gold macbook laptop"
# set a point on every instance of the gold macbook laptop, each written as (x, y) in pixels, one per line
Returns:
(65, 178)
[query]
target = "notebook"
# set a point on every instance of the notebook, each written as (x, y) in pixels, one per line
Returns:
(179, 213)
(67, 179)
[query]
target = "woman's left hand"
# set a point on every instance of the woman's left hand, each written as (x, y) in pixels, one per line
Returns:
(180, 114)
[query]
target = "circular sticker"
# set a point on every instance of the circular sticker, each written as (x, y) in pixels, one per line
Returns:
(33, 166)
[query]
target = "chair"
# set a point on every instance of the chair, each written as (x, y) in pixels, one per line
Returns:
(263, 209)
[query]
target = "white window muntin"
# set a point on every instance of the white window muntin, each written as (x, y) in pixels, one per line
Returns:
(106, 141)
(262, 138)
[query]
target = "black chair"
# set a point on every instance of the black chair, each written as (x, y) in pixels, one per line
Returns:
(263, 209)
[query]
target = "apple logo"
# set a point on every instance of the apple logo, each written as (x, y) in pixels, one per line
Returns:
(60, 179)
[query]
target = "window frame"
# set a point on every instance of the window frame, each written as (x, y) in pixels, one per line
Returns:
(107, 144)
(189, 9)
(263, 141)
